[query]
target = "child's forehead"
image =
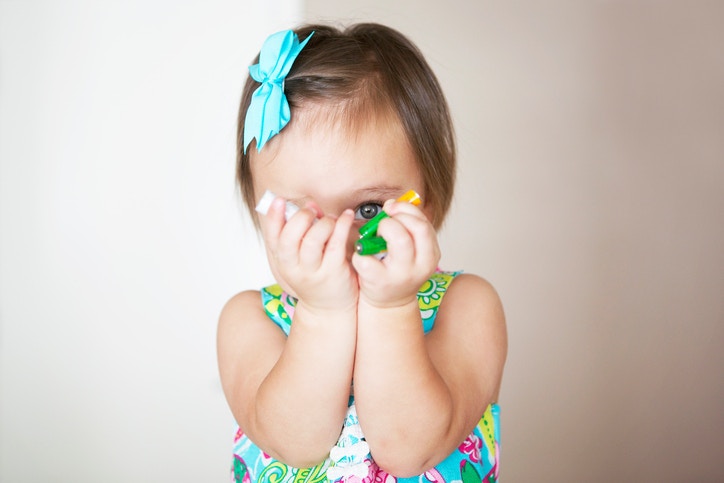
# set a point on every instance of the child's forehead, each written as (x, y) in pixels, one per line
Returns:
(312, 155)
(323, 134)
(344, 119)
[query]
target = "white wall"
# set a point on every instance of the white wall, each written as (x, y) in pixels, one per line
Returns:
(121, 235)
(591, 137)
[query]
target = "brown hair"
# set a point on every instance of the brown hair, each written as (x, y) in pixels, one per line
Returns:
(366, 70)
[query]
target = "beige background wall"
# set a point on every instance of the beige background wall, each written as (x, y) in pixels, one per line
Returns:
(591, 193)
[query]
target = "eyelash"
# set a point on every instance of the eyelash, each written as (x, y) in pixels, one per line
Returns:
(358, 215)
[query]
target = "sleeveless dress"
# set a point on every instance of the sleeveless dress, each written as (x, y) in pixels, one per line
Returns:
(474, 461)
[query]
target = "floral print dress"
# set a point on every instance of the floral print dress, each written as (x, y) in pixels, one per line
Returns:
(474, 461)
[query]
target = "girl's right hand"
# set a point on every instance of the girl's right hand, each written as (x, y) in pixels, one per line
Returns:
(308, 256)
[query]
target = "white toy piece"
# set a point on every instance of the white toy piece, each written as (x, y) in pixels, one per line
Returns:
(266, 201)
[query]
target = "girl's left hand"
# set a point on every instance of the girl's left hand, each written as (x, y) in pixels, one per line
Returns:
(412, 256)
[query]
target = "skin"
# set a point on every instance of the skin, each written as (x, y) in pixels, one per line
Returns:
(357, 318)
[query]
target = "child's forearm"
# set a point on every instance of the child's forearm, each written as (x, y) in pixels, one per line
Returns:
(302, 402)
(404, 406)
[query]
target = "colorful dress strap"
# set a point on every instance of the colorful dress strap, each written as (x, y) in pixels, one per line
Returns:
(279, 305)
(429, 297)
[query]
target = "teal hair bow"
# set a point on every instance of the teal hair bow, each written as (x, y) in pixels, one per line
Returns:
(268, 111)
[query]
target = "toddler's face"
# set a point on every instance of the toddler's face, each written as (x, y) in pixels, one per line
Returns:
(337, 169)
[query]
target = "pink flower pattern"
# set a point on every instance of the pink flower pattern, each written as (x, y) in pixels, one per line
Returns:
(471, 447)
(381, 476)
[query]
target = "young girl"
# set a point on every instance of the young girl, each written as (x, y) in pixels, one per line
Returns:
(352, 368)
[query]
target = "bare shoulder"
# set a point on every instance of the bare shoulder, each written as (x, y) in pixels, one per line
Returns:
(472, 282)
(474, 296)
(244, 317)
(245, 334)
(238, 306)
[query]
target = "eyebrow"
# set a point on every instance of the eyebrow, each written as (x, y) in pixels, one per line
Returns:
(379, 192)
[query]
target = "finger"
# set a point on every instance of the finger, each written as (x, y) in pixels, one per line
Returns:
(400, 244)
(273, 222)
(368, 267)
(424, 237)
(290, 238)
(337, 246)
(397, 207)
(314, 207)
(315, 239)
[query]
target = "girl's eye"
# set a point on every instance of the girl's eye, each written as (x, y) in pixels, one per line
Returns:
(367, 211)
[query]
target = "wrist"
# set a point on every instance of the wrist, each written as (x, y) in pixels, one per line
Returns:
(389, 297)
(320, 312)
(397, 306)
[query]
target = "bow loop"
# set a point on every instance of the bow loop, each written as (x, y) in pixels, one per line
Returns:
(269, 111)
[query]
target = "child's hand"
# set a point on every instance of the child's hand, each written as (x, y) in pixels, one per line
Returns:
(308, 256)
(412, 256)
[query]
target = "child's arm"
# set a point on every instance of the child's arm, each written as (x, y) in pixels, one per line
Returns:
(290, 395)
(418, 396)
